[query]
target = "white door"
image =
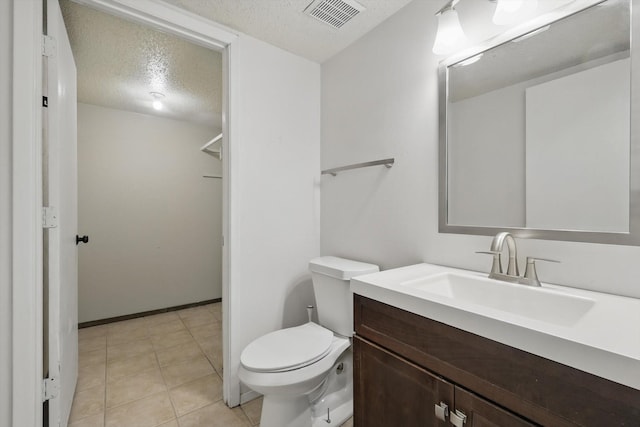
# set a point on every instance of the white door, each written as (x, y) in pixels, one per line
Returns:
(63, 192)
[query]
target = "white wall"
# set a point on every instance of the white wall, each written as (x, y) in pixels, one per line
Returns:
(6, 41)
(275, 191)
(379, 99)
(483, 131)
(586, 113)
(154, 223)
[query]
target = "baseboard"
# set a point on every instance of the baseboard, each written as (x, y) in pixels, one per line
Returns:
(145, 313)
(248, 396)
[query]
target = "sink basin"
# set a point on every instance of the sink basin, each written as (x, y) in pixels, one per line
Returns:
(545, 305)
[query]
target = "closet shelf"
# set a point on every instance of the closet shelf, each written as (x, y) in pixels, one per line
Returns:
(214, 147)
(334, 171)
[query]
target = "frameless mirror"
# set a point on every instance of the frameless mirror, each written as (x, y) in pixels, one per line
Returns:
(536, 132)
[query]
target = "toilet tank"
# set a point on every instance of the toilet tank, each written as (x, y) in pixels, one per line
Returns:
(334, 300)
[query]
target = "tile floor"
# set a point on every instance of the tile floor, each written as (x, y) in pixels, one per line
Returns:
(163, 370)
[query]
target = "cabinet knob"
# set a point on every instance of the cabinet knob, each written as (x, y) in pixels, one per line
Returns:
(458, 418)
(442, 411)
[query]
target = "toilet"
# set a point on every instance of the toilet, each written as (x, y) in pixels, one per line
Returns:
(306, 372)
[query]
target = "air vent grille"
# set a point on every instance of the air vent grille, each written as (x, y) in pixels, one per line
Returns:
(334, 12)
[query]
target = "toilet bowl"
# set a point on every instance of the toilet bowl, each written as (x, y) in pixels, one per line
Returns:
(305, 372)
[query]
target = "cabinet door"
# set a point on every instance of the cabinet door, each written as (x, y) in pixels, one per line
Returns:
(481, 413)
(391, 392)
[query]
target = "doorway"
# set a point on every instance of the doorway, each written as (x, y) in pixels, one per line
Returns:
(209, 174)
(149, 198)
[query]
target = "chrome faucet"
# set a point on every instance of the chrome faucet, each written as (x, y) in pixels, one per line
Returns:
(497, 245)
(512, 275)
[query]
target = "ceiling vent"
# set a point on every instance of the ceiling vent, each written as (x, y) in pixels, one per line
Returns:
(334, 12)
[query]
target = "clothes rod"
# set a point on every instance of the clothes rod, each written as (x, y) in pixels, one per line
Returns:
(386, 162)
(211, 176)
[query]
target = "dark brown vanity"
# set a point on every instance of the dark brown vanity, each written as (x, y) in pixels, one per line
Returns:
(413, 371)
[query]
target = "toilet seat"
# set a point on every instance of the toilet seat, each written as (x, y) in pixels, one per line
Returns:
(287, 349)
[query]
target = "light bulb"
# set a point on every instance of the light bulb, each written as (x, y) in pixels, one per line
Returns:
(157, 104)
(450, 35)
(511, 11)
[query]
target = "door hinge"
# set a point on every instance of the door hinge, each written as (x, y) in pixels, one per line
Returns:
(50, 389)
(48, 46)
(45, 101)
(49, 217)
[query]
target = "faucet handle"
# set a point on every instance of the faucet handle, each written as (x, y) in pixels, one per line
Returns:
(530, 274)
(496, 267)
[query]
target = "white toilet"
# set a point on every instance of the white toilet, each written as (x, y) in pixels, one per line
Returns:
(306, 372)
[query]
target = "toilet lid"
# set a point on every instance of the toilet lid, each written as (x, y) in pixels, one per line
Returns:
(287, 349)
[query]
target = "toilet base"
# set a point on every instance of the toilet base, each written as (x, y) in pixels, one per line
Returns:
(285, 412)
(278, 412)
(337, 416)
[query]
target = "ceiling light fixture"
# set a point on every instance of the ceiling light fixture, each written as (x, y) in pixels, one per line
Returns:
(157, 103)
(450, 35)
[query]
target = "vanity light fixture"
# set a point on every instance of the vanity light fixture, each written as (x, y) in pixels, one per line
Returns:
(450, 35)
(511, 11)
(157, 103)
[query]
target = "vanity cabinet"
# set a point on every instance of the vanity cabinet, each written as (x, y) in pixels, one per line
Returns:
(405, 365)
(396, 392)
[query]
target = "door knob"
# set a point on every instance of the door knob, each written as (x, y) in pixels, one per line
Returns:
(83, 239)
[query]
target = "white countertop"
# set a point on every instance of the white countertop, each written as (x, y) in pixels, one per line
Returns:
(604, 342)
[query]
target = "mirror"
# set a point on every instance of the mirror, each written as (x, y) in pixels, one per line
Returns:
(536, 131)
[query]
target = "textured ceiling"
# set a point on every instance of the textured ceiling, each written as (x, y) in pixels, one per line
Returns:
(282, 23)
(120, 62)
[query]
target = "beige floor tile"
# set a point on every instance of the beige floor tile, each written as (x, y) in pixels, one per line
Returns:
(253, 409)
(179, 354)
(126, 334)
(134, 387)
(160, 318)
(211, 346)
(92, 332)
(166, 327)
(127, 325)
(196, 316)
(122, 368)
(205, 331)
(146, 412)
(191, 311)
(130, 349)
(184, 372)
(240, 414)
(215, 415)
(94, 357)
(91, 376)
(212, 349)
(87, 403)
(216, 309)
(171, 340)
(91, 344)
(196, 394)
(93, 421)
(172, 423)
